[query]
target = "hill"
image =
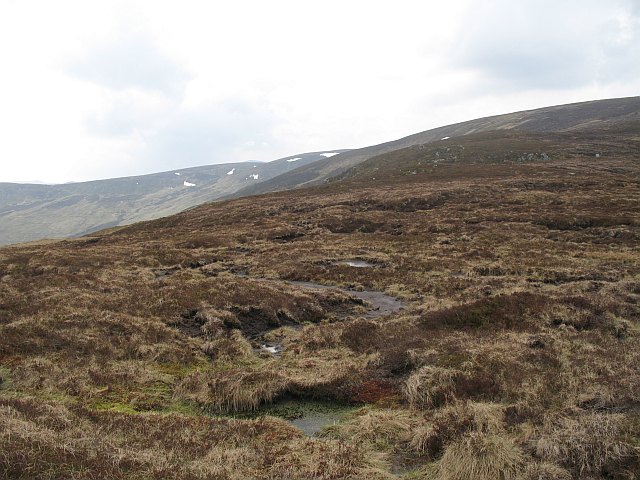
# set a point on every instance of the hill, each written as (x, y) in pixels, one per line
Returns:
(33, 211)
(442, 314)
(562, 118)
(499, 146)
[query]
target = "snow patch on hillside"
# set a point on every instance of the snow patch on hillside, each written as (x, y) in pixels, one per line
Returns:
(189, 184)
(329, 154)
(255, 176)
(230, 172)
(294, 159)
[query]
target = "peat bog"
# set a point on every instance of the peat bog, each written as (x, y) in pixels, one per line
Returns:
(492, 333)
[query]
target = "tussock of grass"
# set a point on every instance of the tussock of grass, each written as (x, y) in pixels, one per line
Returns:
(232, 390)
(592, 443)
(434, 386)
(383, 429)
(546, 471)
(479, 456)
(454, 421)
(431, 386)
(227, 346)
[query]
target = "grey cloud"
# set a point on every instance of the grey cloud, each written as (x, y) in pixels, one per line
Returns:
(544, 45)
(131, 62)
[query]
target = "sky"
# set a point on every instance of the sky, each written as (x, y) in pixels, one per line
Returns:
(99, 89)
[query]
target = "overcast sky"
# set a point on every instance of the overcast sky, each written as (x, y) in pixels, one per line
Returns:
(98, 89)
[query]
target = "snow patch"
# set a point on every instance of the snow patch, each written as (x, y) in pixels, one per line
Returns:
(254, 176)
(176, 173)
(230, 172)
(445, 138)
(329, 154)
(294, 159)
(189, 184)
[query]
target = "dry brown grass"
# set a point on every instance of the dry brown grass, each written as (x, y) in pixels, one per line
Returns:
(431, 386)
(479, 456)
(383, 429)
(593, 443)
(45, 440)
(522, 325)
(453, 422)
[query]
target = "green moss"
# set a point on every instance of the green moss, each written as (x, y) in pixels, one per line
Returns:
(180, 370)
(297, 408)
(5, 378)
(182, 408)
(114, 407)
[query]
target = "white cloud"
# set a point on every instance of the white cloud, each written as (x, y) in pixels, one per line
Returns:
(550, 45)
(122, 88)
(130, 62)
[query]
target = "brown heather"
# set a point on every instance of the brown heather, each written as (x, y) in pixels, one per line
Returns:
(122, 354)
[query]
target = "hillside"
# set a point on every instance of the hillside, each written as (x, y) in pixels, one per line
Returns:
(499, 147)
(464, 309)
(561, 118)
(30, 212)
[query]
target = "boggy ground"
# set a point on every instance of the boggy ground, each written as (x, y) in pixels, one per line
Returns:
(124, 354)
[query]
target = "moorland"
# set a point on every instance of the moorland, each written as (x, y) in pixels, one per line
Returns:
(469, 306)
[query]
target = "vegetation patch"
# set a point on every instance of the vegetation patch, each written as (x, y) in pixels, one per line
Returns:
(508, 311)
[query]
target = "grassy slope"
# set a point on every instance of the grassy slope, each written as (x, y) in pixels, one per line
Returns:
(517, 356)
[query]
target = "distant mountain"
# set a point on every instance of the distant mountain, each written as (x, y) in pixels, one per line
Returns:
(573, 117)
(35, 211)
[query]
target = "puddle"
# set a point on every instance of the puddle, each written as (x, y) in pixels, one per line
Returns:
(381, 304)
(313, 423)
(271, 348)
(310, 416)
(356, 263)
